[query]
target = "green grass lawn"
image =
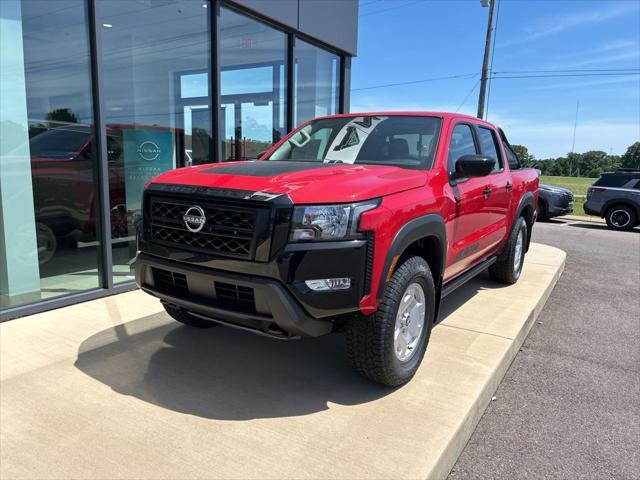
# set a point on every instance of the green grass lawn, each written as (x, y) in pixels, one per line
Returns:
(577, 185)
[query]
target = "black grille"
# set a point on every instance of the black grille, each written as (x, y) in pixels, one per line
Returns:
(228, 230)
(170, 282)
(235, 296)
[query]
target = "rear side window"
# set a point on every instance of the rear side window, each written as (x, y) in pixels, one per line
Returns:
(461, 143)
(614, 181)
(489, 146)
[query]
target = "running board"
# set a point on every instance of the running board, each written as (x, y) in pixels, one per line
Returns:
(466, 276)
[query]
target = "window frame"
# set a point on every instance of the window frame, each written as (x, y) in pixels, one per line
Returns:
(452, 180)
(496, 143)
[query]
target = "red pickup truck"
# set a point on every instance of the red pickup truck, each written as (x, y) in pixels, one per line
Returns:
(356, 223)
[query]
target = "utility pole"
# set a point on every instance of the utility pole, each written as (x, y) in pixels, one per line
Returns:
(485, 62)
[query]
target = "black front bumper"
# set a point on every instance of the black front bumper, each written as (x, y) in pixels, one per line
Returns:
(266, 297)
(275, 312)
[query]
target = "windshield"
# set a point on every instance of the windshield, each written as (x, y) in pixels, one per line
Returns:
(401, 141)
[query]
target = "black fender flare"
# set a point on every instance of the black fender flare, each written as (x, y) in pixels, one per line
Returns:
(430, 225)
(525, 201)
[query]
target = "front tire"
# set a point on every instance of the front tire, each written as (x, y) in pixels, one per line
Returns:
(387, 347)
(621, 217)
(508, 267)
(186, 318)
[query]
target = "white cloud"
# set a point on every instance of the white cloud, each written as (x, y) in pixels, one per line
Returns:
(554, 25)
(572, 84)
(553, 139)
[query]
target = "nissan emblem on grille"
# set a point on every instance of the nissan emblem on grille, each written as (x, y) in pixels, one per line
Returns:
(194, 218)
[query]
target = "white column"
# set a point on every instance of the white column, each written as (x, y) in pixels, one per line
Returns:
(19, 271)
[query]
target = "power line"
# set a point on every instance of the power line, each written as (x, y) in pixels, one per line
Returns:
(468, 95)
(568, 75)
(573, 70)
(391, 8)
(411, 82)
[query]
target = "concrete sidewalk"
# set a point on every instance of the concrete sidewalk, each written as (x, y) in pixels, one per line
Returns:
(114, 389)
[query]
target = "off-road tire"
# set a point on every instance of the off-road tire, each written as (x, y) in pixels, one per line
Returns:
(188, 319)
(503, 270)
(618, 208)
(370, 340)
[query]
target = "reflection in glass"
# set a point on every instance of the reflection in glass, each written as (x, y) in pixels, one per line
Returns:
(157, 104)
(317, 83)
(252, 78)
(48, 216)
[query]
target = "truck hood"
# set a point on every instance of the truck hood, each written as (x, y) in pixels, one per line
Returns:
(304, 182)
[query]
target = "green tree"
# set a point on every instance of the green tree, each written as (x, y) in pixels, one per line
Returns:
(526, 159)
(62, 115)
(631, 158)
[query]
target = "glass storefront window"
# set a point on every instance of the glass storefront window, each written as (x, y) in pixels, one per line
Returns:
(157, 102)
(252, 79)
(49, 237)
(317, 82)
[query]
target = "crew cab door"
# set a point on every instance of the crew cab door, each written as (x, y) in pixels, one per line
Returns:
(470, 227)
(498, 191)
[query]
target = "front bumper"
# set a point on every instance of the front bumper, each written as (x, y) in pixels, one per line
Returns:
(267, 297)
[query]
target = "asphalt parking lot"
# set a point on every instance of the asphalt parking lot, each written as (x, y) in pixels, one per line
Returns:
(568, 406)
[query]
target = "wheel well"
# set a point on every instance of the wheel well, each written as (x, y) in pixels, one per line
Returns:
(618, 203)
(428, 248)
(527, 214)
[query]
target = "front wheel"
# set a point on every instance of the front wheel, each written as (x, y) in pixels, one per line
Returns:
(388, 347)
(620, 217)
(508, 267)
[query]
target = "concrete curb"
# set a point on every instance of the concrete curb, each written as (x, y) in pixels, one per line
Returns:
(447, 460)
(580, 218)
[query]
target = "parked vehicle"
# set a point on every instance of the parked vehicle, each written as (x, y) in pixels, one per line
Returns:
(358, 223)
(554, 201)
(615, 196)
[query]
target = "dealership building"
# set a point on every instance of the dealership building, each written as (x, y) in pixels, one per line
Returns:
(98, 96)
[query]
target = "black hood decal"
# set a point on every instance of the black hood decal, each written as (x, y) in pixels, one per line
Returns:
(266, 168)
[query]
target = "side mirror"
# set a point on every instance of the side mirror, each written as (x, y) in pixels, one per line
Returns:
(468, 166)
(259, 156)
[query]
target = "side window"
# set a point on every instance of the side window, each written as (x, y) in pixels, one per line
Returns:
(637, 185)
(461, 143)
(489, 146)
(512, 158)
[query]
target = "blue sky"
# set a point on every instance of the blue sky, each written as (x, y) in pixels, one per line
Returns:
(409, 40)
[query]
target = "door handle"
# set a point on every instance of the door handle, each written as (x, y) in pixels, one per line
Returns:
(486, 192)
(508, 186)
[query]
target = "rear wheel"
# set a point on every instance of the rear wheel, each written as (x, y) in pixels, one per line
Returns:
(388, 347)
(185, 317)
(509, 265)
(621, 217)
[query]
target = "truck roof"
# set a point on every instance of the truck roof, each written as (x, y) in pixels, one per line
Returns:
(443, 115)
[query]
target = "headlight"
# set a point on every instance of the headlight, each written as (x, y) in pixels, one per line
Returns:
(328, 222)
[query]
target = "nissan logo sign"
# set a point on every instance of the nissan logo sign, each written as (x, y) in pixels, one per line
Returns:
(194, 218)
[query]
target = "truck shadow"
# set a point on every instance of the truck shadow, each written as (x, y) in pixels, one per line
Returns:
(223, 373)
(467, 291)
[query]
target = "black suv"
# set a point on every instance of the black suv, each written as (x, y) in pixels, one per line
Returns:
(615, 197)
(553, 201)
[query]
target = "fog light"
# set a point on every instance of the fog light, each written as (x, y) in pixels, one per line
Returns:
(327, 284)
